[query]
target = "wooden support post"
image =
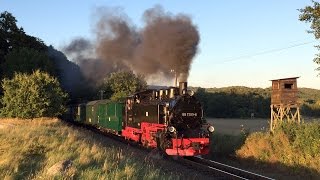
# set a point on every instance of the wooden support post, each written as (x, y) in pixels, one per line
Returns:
(271, 121)
(284, 113)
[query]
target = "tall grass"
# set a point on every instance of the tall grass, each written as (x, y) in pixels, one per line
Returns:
(291, 145)
(29, 148)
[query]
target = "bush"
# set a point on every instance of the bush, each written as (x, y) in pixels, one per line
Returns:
(305, 137)
(290, 144)
(31, 96)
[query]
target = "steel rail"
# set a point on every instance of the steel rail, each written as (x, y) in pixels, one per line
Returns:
(241, 173)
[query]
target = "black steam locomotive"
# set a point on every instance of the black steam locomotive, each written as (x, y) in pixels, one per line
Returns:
(170, 119)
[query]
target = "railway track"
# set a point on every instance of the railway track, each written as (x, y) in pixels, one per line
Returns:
(221, 170)
(214, 169)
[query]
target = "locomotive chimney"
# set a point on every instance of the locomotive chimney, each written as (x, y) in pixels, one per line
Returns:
(183, 88)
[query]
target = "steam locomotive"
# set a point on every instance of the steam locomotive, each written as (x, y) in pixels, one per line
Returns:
(170, 119)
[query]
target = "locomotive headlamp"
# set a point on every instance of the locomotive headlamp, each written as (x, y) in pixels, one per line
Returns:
(210, 129)
(171, 129)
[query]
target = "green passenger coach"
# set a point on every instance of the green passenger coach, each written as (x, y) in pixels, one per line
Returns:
(110, 115)
(105, 113)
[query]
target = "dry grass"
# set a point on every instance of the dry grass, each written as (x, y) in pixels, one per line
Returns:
(282, 148)
(29, 148)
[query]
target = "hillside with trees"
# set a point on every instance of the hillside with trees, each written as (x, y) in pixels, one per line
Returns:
(241, 102)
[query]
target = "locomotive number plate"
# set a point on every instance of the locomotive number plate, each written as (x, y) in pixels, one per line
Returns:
(189, 114)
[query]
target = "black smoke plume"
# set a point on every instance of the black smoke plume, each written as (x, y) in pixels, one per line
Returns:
(165, 46)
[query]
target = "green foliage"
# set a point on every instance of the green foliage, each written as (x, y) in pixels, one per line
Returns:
(122, 84)
(240, 102)
(311, 14)
(305, 137)
(235, 102)
(30, 96)
(12, 38)
(20, 52)
(8, 27)
(290, 144)
(26, 60)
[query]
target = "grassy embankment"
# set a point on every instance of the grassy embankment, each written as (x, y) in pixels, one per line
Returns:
(291, 151)
(30, 149)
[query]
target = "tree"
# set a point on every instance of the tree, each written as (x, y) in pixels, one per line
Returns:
(13, 37)
(122, 84)
(31, 96)
(8, 27)
(26, 60)
(311, 14)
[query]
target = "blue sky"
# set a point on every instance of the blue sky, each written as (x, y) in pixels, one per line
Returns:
(243, 43)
